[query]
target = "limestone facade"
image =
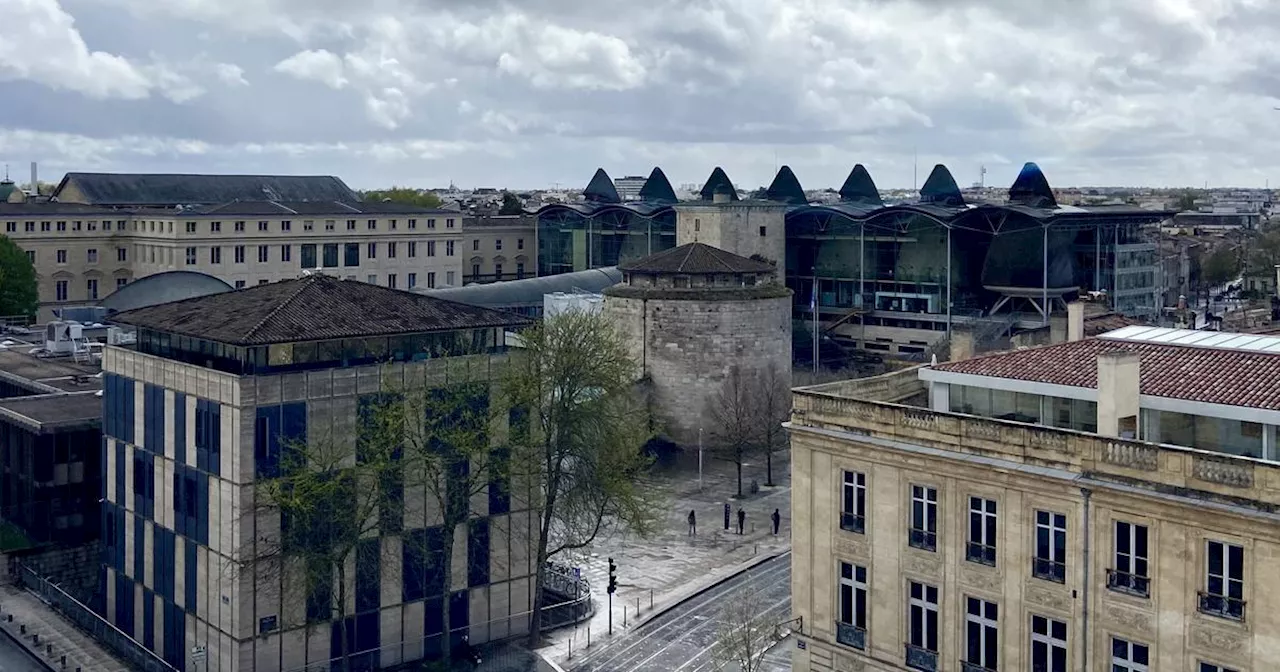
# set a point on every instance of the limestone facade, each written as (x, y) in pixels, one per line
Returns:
(1206, 521)
(745, 228)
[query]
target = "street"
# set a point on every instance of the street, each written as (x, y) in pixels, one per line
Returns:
(681, 640)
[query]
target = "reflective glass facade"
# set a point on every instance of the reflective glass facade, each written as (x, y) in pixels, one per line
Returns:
(570, 240)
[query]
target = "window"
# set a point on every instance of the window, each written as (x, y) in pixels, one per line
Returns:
(328, 224)
(263, 281)
(475, 271)
(1127, 656)
(475, 245)
(1050, 562)
(239, 284)
(93, 226)
(60, 290)
(122, 254)
(431, 248)
(922, 626)
(77, 224)
(120, 225)
(286, 252)
(191, 256)
(351, 225)
(239, 227)
(10, 227)
(448, 223)
(982, 531)
(391, 224)
(262, 226)
(239, 254)
(431, 279)
(413, 224)
(263, 254)
(191, 227)
(851, 623)
(448, 278)
(372, 279)
(1130, 572)
(29, 226)
(497, 271)
(31, 257)
(763, 231)
(215, 227)
(92, 286)
(413, 249)
(286, 225)
(431, 223)
(92, 256)
(215, 255)
(924, 518)
(981, 621)
(1048, 645)
(391, 250)
(697, 224)
(853, 502)
(61, 256)
(391, 280)
(448, 248)
(1224, 585)
(330, 255)
(372, 252)
(351, 254)
(121, 282)
(373, 225)
(497, 244)
(520, 270)
(308, 224)
(308, 255)
(1210, 667)
(413, 280)
(519, 243)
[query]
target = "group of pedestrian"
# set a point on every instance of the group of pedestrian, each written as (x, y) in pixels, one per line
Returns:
(776, 517)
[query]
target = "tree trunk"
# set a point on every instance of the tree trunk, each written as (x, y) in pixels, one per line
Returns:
(535, 617)
(446, 642)
(739, 462)
(344, 642)
(768, 465)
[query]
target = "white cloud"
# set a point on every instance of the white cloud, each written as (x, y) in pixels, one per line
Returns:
(317, 65)
(230, 74)
(39, 42)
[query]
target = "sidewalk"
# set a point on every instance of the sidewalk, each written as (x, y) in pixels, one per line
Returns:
(672, 566)
(45, 629)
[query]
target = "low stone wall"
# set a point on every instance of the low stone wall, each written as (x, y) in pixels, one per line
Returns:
(895, 386)
(73, 568)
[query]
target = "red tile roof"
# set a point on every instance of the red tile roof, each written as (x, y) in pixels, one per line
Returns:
(1210, 375)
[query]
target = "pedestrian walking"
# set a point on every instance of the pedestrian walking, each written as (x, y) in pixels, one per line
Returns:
(777, 520)
(742, 519)
(693, 523)
(727, 510)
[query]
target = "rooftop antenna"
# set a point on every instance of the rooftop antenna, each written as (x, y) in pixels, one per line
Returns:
(982, 177)
(915, 169)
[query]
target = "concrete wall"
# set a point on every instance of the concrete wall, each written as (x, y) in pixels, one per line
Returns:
(687, 348)
(735, 227)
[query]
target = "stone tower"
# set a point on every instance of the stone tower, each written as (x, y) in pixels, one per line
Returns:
(690, 315)
(748, 228)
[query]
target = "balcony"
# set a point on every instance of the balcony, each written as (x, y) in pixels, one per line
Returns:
(1049, 570)
(851, 522)
(966, 666)
(1129, 584)
(923, 540)
(851, 635)
(1222, 606)
(919, 658)
(980, 553)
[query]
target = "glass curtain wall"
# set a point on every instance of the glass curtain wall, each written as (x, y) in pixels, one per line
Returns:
(570, 241)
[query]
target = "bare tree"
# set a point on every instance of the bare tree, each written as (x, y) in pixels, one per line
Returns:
(581, 457)
(735, 417)
(746, 632)
(773, 406)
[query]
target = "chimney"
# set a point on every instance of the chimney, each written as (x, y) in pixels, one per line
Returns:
(962, 346)
(1118, 390)
(35, 182)
(1075, 321)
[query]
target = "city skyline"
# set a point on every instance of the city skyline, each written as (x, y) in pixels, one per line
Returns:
(489, 94)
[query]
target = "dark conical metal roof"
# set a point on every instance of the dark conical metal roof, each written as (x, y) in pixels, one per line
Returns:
(718, 183)
(786, 188)
(601, 189)
(657, 189)
(1032, 189)
(941, 188)
(860, 188)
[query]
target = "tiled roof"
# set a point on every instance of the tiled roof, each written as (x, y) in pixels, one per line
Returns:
(312, 308)
(1096, 325)
(696, 258)
(136, 189)
(1210, 375)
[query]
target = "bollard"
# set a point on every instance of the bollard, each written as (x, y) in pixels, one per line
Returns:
(624, 615)
(48, 649)
(637, 607)
(570, 648)
(588, 636)
(22, 629)
(64, 661)
(651, 599)
(35, 639)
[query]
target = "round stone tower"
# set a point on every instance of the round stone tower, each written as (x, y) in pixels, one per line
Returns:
(691, 314)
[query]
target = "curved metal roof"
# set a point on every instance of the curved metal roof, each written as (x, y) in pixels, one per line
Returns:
(528, 291)
(160, 288)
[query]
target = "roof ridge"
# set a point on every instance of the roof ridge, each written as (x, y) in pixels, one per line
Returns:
(303, 284)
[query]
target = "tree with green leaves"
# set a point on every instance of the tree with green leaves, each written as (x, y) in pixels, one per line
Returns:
(18, 295)
(405, 195)
(511, 204)
(581, 457)
(1186, 201)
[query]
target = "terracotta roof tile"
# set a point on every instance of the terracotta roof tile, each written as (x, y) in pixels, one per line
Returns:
(1210, 375)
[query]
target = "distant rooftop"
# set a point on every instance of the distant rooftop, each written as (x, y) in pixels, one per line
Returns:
(46, 374)
(46, 413)
(1203, 366)
(167, 189)
(312, 308)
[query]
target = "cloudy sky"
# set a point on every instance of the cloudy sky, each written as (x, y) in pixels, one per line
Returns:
(530, 93)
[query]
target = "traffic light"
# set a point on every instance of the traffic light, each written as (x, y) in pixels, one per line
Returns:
(613, 577)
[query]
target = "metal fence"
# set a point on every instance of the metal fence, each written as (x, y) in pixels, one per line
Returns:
(130, 651)
(575, 604)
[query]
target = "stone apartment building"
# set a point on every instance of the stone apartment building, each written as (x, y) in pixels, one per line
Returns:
(101, 231)
(498, 247)
(1103, 503)
(197, 412)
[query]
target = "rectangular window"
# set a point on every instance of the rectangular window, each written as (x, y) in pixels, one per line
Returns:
(263, 255)
(191, 256)
(263, 226)
(391, 224)
(413, 224)
(1130, 572)
(1048, 645)
(982, 531)
(431, 279)
(121, 282)
(448, 248)
(215, 255)
(1210, 667)
(308, 224)
(351, 225)
(328, 224)
(391, 250)
(372, 251)
(239, 227)
(853, 502)
(497, 244)
(286, 252)
(60, 290)
(520, 270)
(92, 256)
(373, 225)
(308, 255)
(191, 227)
(851, 618)
(475, 271)
(475, 245)
(413, 249)
(922, 627)
(1224, 581)
(448, 223)
(372, 279)
(982, 649)
(413, 280)
(330, 255)
(351, 254)
(122, 254)
(924, 518)
(92, 286)
(519, 243)
(431, 248)
(1128, 656)
(448, 278)
(31, 257)
(286, 225)
(240, 284)
(10, 227)
(61, 256)
(391, 280)
(215, 227)
(1050, 562)
(497, 271)
(239, 254)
